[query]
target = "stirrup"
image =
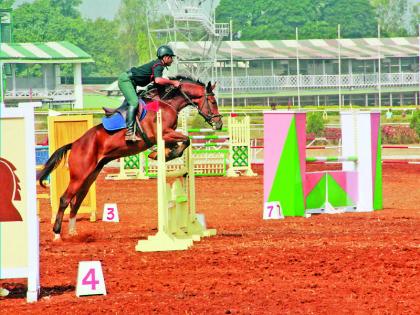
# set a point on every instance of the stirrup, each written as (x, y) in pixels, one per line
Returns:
(132, 137)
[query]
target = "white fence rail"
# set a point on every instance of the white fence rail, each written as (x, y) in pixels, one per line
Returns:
(274, 83)
(48, 94)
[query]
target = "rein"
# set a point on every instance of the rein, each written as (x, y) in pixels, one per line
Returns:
(208, 118)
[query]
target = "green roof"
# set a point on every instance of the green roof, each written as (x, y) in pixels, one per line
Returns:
(355, 48)
(49, 52)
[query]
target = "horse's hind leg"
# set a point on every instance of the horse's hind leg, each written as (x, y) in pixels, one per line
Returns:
(80, 196)
(78, 177)
(74, 207)
(65, 199)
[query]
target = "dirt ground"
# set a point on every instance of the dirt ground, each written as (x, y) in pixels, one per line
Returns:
(354, 263)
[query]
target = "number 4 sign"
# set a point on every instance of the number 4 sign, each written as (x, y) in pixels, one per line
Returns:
(272, 210)
(90, 280)
(110, 213)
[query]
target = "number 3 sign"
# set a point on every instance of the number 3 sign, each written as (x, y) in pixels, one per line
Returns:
(272, 210)
(90, 279)
(110, 213)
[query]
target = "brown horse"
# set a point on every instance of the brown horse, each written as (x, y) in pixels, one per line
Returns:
(97, 146)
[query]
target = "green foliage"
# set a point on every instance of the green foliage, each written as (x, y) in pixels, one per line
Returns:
(68, 7)
(131, 19)
(43, 20)
(278, 19)
(414, 19)
(315, 123)
(415, 122)
(105, 51)
(392, 16)
(6, 4)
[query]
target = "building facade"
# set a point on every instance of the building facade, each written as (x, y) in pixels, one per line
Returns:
(364, 71)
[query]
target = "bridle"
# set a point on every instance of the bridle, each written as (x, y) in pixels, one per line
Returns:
(207, 118)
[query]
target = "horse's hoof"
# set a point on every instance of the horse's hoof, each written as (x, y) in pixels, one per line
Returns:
(73, 233)
(153, 155)
(4, 292)
(57, 237)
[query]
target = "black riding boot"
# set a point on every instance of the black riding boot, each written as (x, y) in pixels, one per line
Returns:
(130, 134)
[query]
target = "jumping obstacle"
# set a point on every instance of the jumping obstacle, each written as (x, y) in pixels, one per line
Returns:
(131, 167)
(178, 223)
(212, 153)
(19, 224)
(61, 131)
(210, 157)
(357, 187)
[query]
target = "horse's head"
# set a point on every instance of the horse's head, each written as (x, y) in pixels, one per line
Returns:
(202, 97)
(199, 95)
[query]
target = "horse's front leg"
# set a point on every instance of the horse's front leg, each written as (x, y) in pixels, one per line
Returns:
(175, 144)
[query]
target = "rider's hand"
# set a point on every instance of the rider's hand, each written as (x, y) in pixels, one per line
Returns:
(176, 84)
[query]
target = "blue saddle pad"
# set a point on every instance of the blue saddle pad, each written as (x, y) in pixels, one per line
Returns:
(117, 122)
(114, 122)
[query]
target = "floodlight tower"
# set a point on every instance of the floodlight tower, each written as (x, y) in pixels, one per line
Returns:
(191, 22)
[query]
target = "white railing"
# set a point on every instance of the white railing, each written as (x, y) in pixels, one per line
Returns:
(222, 29)
(47, 94)
(275, 83)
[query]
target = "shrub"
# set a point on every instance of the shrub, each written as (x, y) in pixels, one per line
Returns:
(315, 123)
(398, 135)
(415, 122)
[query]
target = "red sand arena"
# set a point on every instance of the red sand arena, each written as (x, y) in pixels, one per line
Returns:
(354, 263)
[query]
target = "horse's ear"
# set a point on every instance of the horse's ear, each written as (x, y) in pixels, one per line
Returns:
(208, 87)
(213, 86)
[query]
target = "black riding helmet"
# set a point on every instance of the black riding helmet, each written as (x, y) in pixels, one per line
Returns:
(164, 50)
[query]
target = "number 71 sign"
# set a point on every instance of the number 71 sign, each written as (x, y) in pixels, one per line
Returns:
(272, 210)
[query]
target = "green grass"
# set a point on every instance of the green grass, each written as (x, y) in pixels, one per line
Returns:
(96, 101)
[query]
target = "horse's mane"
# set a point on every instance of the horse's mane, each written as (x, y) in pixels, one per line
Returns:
(185, 78)
(168, 91)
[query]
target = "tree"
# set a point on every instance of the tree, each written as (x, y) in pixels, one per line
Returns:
(41, 21)
(392, 16)
(415, 19)
(68, 7)
(6, 4)
(100, 43)
(131, 19)
(278, 19)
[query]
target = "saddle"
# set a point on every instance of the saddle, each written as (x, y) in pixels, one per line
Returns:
(115, 118)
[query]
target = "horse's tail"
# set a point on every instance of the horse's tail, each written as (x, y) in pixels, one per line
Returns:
(53, 162)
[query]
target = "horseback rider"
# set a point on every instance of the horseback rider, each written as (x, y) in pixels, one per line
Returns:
(142, 76)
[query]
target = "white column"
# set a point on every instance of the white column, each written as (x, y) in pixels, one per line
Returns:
(1, 87)
(57, 76)
(231, 67)
(364, 162)
(379, 67)
(340, 103)
(78, 88)
(356, 129)
(297, 66)
(348, 138)
(45, 75)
